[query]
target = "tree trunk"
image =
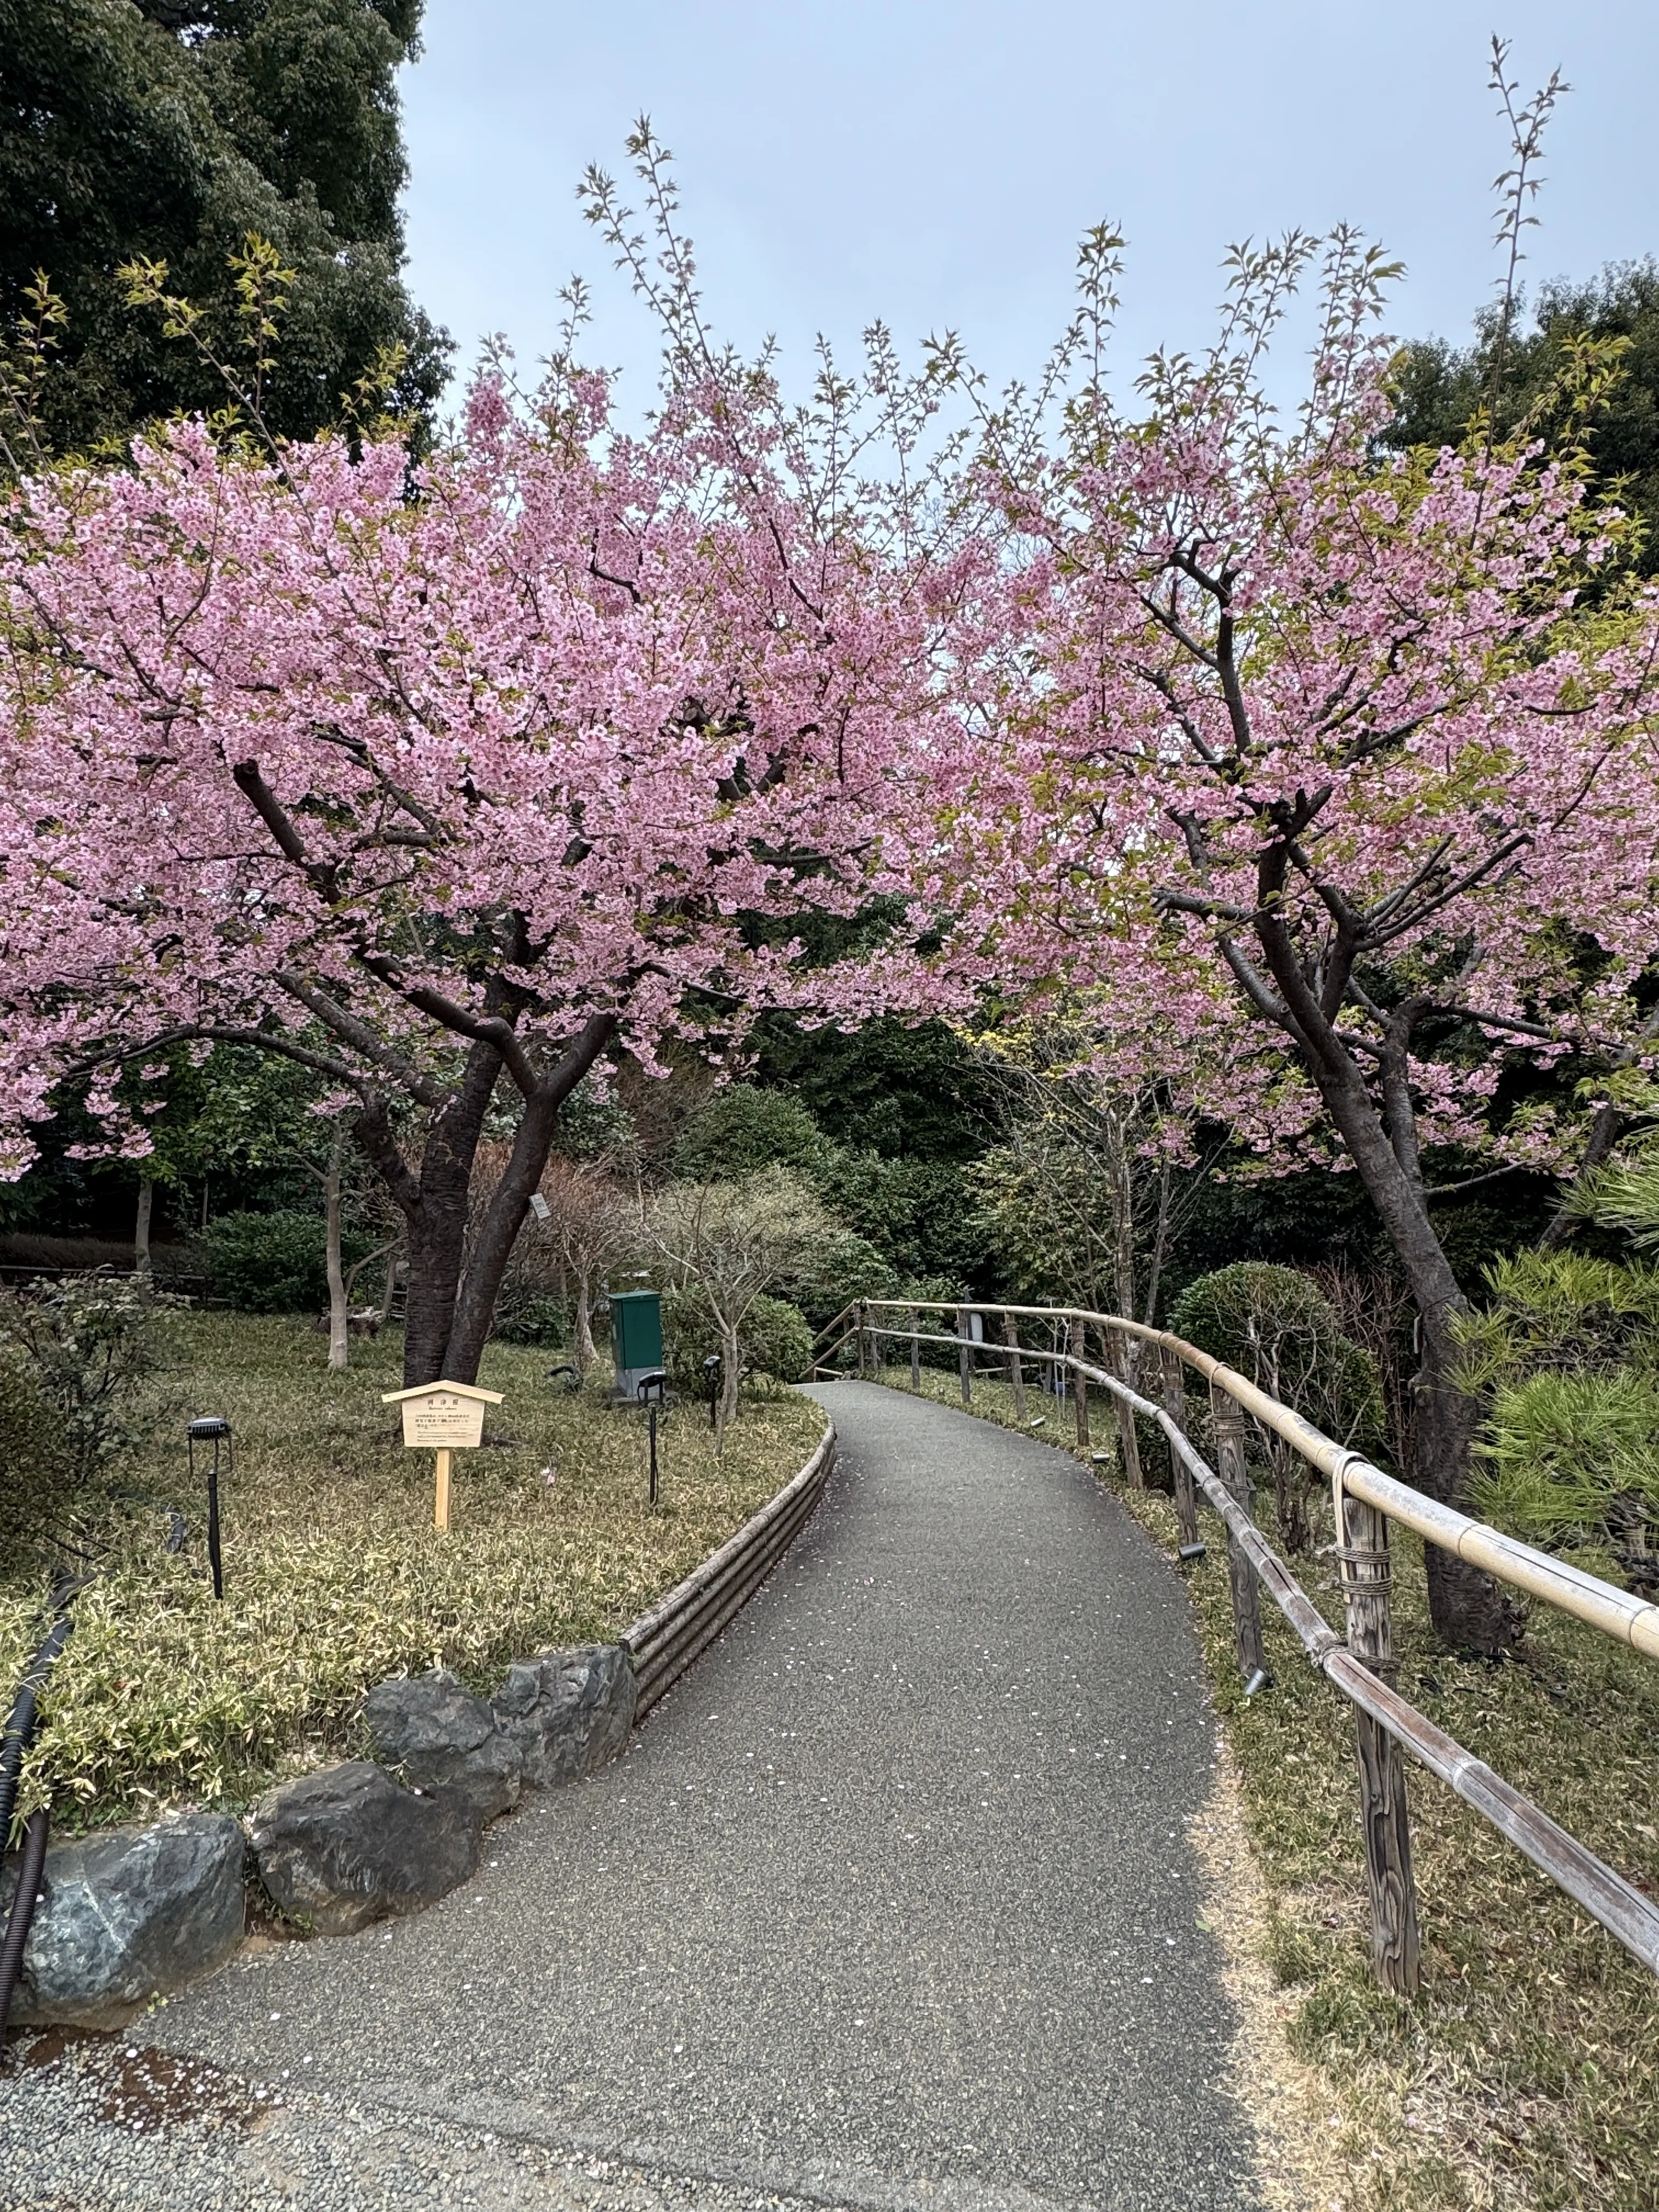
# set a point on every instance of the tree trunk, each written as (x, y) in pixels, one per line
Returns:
(473, 1310)
(338, 1336)
(730, 1373)
(389, 1288)
(140, 1231)
(581, 1328)
(434, 1207)
(1468, 1609)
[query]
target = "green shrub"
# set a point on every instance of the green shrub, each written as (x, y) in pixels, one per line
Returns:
(541, 1319)
(87, 1346)
(845, 1266)
(1567, 1356)
(1276, 1326)
(273, 1263)
(775, 1337)
(33, 1465)
(742, 1131)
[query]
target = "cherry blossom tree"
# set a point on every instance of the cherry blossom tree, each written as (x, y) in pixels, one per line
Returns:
(446, 783)
(1307, 766)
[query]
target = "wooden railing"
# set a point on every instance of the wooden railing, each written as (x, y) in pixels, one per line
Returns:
(1366, 1500)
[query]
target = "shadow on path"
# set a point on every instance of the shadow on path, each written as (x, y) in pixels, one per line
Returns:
(890, 1902)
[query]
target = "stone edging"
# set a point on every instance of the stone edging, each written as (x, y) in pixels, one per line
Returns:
(133, 1913)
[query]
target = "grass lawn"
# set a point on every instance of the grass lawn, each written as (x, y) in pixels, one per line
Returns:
(1528, 2075)
(334, 1575)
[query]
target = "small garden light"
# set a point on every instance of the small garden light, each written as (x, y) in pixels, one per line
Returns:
(214, 1429)
(651, 1390)
(711, 1375)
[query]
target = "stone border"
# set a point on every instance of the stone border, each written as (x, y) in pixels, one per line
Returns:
(663, 1643)
(351, 1844)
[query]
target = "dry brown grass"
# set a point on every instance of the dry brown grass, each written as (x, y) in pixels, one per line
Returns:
(1527, 2078)
(335, 1576)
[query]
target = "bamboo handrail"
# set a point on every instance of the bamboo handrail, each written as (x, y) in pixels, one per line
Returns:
(1627, 1618)
(850, 1307)
(1604, 1893)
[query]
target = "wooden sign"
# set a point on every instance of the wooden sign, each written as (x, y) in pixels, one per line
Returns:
(443, 1418)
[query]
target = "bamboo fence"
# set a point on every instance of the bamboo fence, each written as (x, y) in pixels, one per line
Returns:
(1366, 1500)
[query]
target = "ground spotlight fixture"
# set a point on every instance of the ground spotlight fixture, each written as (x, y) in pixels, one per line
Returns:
(214, 1429)
(711, 1376)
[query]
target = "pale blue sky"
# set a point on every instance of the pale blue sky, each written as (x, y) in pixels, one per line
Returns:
(934, 163)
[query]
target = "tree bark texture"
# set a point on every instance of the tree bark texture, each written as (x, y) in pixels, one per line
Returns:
(141, 1227)
(582, 1346)
(448, 1320)
(730, 1373)
(1115, 1359)
(1080, 1344)
(1468, 1609)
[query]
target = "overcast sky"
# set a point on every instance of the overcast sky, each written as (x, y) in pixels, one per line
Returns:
(932, 162)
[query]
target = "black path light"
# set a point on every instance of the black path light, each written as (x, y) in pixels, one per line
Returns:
(214, 1429)
(651, 1390)
(711, 1376)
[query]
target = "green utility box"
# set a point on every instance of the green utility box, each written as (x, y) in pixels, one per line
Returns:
(635, 1337)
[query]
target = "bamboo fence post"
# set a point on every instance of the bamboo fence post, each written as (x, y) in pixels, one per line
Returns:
(1174, 1394)
(1228, 1418)
(865, 1344)
(1384, 1818)
(1128, 1443)
(1077, 1338)
(915, 1352)
(964, 1356)
(1016, 1372)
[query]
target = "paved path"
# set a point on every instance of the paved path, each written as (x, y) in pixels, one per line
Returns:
(889, 1905)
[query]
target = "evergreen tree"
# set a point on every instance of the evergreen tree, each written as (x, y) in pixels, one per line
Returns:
(171, 129)
(1443, 388)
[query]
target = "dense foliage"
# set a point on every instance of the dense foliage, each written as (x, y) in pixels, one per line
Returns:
(1516, 379)
(171, 132)
(1276, 1326)
(272, 1263)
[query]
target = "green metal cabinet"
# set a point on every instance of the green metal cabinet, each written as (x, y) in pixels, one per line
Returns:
(636, 1337)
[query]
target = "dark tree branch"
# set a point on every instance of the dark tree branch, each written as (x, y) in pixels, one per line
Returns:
(493, 1030)
(217, 1033)
(358, 1035)
(322, 875)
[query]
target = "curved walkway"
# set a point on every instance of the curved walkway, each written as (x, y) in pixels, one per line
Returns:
(890, 1904)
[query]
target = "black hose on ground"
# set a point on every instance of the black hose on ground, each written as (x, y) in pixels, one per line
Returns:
(25, 1715)
(31, 1865)
(13, 1749)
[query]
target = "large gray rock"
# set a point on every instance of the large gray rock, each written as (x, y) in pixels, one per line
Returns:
(436, 1734)
(129, 1915)
(342, 1848)
(567, 1712)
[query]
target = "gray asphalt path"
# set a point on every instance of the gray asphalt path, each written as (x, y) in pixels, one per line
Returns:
(890, 1903)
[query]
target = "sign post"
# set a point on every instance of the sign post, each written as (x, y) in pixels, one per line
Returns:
(443, 1418)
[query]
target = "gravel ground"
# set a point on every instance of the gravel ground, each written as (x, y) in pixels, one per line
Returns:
(890, 1904)
(103, 2124)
